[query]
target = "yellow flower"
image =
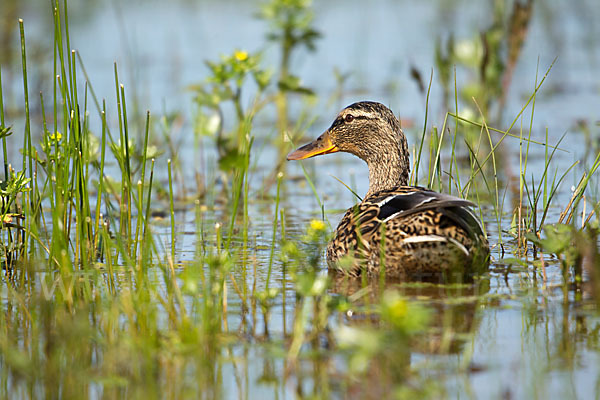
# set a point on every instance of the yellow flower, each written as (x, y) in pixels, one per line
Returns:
(317, 225)
(56, 136)
(240, 55)
(398, 308)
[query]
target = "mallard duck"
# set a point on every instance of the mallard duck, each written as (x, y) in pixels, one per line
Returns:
(413, 231)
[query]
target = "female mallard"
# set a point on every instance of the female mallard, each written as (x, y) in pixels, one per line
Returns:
(414, 232)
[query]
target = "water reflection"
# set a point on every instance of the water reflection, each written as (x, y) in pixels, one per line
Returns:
(453, 308)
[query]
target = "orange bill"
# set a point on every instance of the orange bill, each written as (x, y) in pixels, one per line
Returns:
(321, 145)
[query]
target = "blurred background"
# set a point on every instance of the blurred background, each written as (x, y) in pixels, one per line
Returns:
(382, 51)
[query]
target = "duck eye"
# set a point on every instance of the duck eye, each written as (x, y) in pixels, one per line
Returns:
(349, 117)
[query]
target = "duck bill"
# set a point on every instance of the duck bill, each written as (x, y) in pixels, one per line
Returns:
(321, 145)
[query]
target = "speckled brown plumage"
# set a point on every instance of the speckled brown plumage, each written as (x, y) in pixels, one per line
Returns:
(412, 231)
(425, 234)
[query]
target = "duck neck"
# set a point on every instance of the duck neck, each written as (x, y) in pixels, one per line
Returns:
(388, 170)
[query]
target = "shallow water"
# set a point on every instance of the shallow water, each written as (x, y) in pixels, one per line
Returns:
(511, 336)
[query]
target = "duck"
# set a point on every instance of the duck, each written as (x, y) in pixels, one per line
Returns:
(403, 231)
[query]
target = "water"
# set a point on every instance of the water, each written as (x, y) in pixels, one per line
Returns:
(512, 338)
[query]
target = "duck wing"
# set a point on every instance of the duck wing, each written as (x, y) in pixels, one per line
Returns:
(404, 201)
(424, 231)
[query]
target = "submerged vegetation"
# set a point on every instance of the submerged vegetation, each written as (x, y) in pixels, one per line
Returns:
(102, 293)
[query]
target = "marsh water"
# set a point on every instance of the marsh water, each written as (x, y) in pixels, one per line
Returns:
(517, 333)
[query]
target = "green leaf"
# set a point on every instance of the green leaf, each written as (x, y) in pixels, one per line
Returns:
(207, 125)
(292, 83)
(232, 160)
(5, 132)
(262, 78)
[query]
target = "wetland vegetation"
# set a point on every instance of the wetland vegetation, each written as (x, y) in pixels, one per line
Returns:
(174, 253)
